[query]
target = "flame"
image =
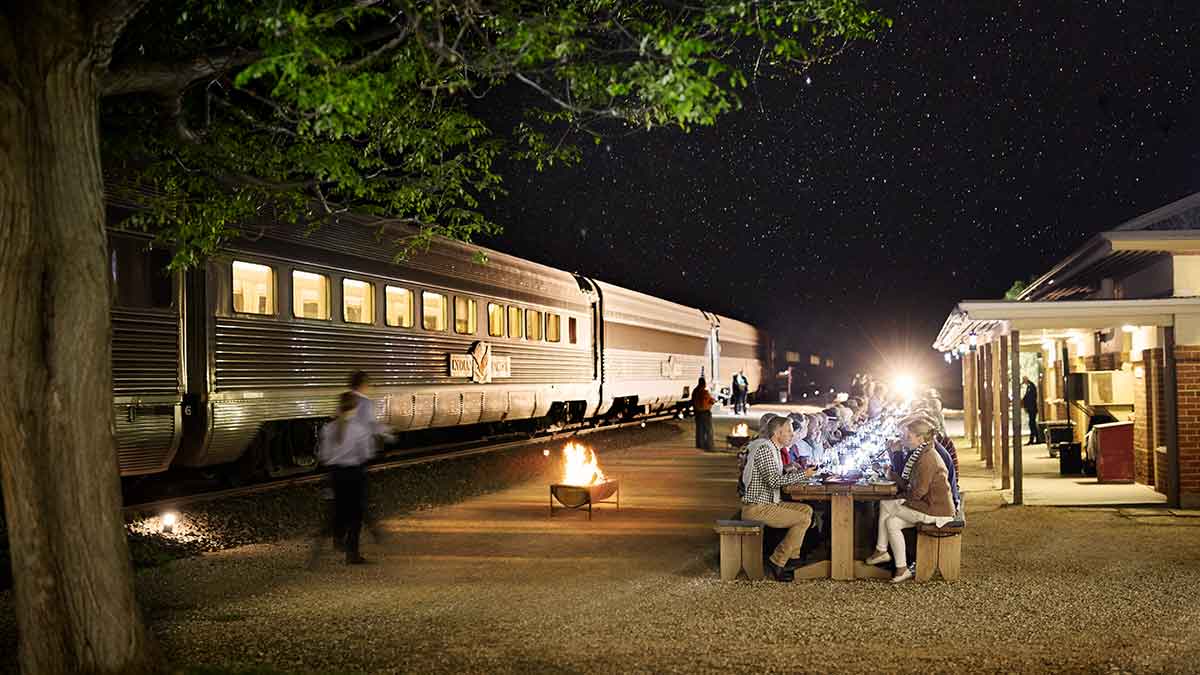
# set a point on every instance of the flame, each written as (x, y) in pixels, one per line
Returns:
(580, 465)
(742, 429)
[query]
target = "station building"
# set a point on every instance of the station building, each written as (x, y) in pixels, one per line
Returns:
(1111, 337)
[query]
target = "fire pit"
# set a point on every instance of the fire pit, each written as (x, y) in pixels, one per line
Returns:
(583, 482)
(739, 437)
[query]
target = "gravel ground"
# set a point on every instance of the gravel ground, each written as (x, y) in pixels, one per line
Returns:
(492, 584)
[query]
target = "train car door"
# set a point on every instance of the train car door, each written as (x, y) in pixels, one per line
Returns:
(596, 300)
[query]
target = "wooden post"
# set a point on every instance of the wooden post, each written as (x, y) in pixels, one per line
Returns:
(970, 399)
(985, 404)
(1015, 339)
(1171, 409)
(1004, 392)
(842, 536)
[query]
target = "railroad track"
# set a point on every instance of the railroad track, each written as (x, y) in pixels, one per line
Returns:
(393, 460)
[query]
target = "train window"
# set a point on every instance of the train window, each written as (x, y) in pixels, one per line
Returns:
(433, 311)
(553, 328)
(140, 275)
(358, 301)
(399, 307)
(310, 295)
(495, 319)
(533, 324)
(516, 325)
(572, 330)
(253, 288)
(465, 311)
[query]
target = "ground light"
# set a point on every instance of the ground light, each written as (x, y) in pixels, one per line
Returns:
(168, 522)
(906, 385)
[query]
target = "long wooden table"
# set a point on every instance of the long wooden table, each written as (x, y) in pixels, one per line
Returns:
(841, 564)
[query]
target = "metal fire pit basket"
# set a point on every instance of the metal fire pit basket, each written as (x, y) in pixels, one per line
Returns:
(579, 496)
(737, 441)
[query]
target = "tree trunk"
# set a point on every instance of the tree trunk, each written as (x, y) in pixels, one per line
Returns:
(73, 582)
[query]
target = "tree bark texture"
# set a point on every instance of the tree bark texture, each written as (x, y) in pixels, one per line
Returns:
(73, 582)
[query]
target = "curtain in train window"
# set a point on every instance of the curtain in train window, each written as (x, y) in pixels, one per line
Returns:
(465, 310)
(358, 301)
(310, 295)
(253, 288)
(495, 319)
(533, 324)
(516, 324)
(553, 328)
(572, 330)
(399, 307)
(434, 311)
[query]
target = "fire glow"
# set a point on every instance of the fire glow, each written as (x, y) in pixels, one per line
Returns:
(742, 429)
(579, 465)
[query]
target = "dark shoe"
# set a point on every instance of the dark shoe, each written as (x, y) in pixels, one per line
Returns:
(779, 573)
(796, 563)
(356, 560)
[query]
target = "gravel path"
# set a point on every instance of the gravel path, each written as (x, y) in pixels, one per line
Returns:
(494, 585)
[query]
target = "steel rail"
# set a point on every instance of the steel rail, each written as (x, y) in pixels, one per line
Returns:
(436, 454)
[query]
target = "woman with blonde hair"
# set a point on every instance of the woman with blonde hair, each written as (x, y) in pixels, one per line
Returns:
(923, 497)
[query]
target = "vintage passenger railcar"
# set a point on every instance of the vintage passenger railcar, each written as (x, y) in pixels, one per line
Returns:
(238, 362)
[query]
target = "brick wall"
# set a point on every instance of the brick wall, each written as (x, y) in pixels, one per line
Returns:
(1143, 437)
(1187, 361)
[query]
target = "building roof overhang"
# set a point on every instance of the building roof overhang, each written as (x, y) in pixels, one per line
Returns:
(1114, 254)
(989, 319)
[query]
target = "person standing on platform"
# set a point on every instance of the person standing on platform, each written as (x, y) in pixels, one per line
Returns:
(346, 447)
(702, 403)
(740, 389)
(1029, 401)
(762, 501)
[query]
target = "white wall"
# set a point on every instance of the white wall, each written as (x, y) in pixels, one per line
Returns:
(1186, 276)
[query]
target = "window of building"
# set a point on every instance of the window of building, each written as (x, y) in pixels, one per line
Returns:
(399, 307)
(465, 310)
(533, 324)
(516, 322)
(310, 295)
(814, 360)
(495, 319)
(253, 288)
(553, 328)
(434, 311)
(140, 275)
(572, 330)
(792, 357)
(358, 301)
(828, 363)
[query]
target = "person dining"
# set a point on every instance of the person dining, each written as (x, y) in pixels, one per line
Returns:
(923, 496)
(762, 501)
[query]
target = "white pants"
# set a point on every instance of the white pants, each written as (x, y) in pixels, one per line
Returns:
(893, 518)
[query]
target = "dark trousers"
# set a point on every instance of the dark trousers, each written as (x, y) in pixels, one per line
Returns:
(739, 402)
(704, 429)
(349, 490)
(1034, 432)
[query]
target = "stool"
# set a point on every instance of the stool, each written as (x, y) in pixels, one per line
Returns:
(741, 548)
(939, 549)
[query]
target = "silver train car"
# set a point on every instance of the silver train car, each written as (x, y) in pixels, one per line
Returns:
(237, 364)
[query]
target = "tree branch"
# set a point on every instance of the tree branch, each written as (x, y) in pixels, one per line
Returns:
(109, 19)
(169, 79)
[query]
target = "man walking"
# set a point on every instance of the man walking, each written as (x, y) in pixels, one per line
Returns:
(702, 403)
(762, 501)
(1029, 401)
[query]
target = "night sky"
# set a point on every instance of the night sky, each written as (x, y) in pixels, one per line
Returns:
(974, 144)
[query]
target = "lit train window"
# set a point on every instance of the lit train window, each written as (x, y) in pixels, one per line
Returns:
(358, 301)
(572, 330)
(253, 288)
(516, 327)
(465, 310)
(533, 324)
(434, 311)
(399, 305)
(495, 319)
(310, 295)
(553, 328)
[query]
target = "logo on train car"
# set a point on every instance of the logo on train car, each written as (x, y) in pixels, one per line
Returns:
(480, 364)
(671, 369)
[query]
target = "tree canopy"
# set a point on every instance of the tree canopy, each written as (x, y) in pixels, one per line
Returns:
(221, 113)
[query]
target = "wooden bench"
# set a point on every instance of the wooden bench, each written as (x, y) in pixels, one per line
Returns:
(939, 549)
(741, 548)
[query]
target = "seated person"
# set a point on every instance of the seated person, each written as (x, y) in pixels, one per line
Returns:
(949, 458)
(796, 456)
(762, 501)
(924, 497)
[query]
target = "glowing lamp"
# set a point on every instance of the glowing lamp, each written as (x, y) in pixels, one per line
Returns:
(168, 522)
(947, 355)
(906, 385)
(1139, 372)
(1129, 328)
(974, 340)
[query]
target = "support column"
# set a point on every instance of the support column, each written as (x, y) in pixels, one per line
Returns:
(1001, 466)
(985, 405)
(1015, 340)
(1171, 411)
(970, 399)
